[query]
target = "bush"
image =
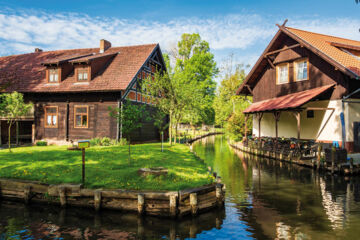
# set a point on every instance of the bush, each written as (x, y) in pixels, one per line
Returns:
(122, 142)
(105, 141)
(95, 142)
(235, 126)
(41, 143)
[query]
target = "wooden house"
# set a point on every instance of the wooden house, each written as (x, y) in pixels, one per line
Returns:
(306, 85)
(72, 90)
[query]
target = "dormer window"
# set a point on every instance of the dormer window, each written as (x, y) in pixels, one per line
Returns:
(282, 73)
(53, 75)
(82, 74)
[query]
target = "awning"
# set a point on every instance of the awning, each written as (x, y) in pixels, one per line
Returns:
(289, 101)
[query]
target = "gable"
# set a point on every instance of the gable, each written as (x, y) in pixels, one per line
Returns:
(287, 46)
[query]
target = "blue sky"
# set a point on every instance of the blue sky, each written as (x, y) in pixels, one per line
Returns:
(242, 28)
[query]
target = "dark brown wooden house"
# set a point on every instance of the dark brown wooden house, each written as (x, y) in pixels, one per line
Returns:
(306, 85)
(72, 90)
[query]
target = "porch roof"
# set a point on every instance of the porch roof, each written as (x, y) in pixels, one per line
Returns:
(289, 101)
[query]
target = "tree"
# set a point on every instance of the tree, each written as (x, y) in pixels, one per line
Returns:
(160, 122)
(131, 116)
(13, 107)
(187, 90)
(229, 106)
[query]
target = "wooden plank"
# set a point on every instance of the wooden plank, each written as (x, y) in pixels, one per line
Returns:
(282, 49)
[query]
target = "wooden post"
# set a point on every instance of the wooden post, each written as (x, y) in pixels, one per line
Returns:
(17, 132)
(193, 203)
(83, 166)
(141, 204)
(333, 152)
(246, 119)
(298, 119)
(319, 156)
(27, 191)
(97, 200)
(32, 133)
(277, 118)
(173, 205)
(260, 115)
(219, 195)
(351, 165)
(62, 196)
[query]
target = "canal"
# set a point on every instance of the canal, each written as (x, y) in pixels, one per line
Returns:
(264, 200)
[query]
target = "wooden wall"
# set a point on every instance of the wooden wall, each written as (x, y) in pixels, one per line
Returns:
(320, 73)
(100, 124)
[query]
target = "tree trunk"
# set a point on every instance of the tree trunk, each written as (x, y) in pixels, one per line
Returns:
(9, 139)
(129, 152)
(162, 141)
(170, 128)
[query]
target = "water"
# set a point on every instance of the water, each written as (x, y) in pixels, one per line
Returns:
(264, 200)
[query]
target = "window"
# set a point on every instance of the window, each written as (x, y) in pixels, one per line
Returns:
(81, 119)
(51, 117)
(310, 114)
(282, 73)
(53, 75)
(82, 74)
(301, 70)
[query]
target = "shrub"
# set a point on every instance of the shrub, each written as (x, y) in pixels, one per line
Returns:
(95, 142)
(122, 142)
(105, 141)
(41, 143)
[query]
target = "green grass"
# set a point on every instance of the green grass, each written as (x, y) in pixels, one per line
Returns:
(106, 167)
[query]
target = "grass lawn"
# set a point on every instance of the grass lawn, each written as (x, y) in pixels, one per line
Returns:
(106, 167)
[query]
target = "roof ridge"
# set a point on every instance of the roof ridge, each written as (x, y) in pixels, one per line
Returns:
(321, 34)
(77, 49)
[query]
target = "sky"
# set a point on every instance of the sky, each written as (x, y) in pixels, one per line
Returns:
(232, 27)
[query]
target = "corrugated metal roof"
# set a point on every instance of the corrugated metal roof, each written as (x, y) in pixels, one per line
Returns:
(289, 101)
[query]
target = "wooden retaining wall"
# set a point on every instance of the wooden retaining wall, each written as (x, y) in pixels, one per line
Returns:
(167, 204)
(203, 136)
(342, 168)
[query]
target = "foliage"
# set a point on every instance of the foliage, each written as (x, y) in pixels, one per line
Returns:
(229, 106)
(130, 116)
(41, 143)
(235, 127)
(159, 118)
(187, 90)
(105, 141)
(106, 167)
(12, 106)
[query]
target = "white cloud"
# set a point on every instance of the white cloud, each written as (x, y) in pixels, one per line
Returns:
(248, 34)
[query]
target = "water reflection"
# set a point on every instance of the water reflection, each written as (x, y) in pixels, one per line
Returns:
(282, 201)
(38, 222)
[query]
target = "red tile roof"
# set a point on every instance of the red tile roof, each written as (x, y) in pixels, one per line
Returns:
(289, 101)
(93, 56)
(328, 45)
(30, 74)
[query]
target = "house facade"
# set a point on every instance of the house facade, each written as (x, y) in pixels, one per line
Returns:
(305, 85)
(72, 91)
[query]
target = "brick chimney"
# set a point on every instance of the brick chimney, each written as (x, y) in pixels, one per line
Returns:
(38, 50)
(104, 45)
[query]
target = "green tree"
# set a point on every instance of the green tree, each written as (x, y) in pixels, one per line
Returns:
(187, 90)
(12, 107)
(160, 122)
(131, 117)
(229, 106)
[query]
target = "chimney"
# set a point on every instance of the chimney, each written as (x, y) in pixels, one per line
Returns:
(104, 45)
(38, 50)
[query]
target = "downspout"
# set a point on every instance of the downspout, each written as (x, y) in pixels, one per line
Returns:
(118, 122)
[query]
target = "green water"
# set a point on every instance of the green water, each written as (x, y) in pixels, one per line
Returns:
(282, 201)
